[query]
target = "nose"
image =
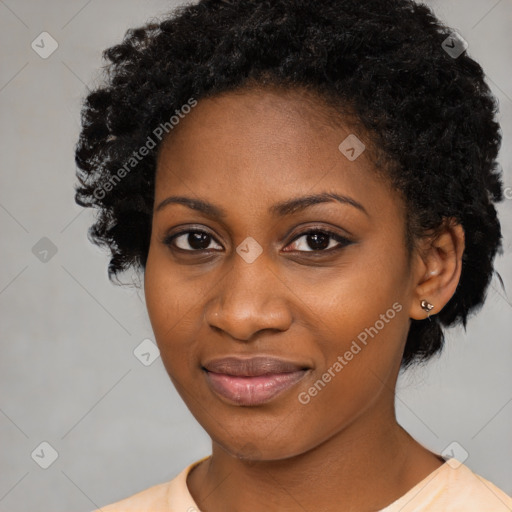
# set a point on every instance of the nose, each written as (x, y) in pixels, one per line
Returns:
(251, 297)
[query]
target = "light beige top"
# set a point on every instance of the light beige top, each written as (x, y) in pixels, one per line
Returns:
(453, 487)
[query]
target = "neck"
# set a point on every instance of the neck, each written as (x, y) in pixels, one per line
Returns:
(365, 466)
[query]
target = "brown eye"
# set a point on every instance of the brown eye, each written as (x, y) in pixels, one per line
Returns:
(320, 240)
(196, 240)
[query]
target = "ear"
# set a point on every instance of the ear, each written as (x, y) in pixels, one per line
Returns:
(438, 269)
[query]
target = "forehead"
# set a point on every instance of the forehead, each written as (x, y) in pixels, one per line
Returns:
(255, 147)
(255, 114)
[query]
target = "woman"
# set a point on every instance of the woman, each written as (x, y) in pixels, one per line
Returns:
(308, 187)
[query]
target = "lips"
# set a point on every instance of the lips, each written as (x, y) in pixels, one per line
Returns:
(252, 367)
(252, 381)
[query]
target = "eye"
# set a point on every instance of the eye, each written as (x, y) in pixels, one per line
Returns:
(196, 239)
(320, 241)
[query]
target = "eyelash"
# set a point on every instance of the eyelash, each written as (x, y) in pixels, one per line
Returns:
(344, 242)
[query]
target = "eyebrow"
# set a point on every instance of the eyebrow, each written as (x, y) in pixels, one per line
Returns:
(281, 209)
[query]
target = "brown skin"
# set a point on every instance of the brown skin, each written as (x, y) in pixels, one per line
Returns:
(344, 450)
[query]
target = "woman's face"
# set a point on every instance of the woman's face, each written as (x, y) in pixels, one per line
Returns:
(242, 278)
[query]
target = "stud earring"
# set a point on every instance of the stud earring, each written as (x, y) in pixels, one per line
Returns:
(427, 307)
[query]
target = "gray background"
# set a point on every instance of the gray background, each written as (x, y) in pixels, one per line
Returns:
(68, 373)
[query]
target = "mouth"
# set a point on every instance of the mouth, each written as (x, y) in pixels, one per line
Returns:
(253, 381)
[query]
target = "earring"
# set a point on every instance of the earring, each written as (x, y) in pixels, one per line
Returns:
(427, 307)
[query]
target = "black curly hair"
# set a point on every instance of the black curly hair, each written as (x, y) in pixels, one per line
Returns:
(428, 113)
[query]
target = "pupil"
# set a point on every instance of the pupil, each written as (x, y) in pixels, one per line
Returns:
(199, 241)
(320, 241)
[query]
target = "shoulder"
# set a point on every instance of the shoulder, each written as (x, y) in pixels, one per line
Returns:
(154, 498)
(164, 497)
(453, 488)
(477, 490)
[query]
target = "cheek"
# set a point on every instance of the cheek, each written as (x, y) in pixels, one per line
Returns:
(369, 290)
(362, 327)
(172, 307)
